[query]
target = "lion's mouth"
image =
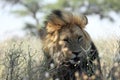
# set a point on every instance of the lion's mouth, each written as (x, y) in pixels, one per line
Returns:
(76, 59)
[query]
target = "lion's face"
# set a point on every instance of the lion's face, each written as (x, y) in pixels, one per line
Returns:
(74, 43)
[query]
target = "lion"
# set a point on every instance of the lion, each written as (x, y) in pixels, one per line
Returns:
(69, 47)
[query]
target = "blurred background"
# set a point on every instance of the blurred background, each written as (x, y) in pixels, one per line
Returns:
(21, 17)
(20, 21)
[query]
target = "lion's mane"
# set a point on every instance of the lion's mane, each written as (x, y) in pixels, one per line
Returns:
(53, 50)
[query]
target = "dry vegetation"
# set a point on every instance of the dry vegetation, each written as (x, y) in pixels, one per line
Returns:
(109, 50)
(22, 59)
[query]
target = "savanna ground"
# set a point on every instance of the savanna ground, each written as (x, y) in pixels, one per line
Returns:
(22, 58)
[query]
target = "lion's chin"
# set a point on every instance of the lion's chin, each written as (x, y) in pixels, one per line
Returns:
(75, 60)
(75, 63)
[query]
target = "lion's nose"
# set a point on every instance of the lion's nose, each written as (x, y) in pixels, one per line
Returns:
(76, 53)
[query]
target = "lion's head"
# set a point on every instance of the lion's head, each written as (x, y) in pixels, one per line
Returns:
(66, 39)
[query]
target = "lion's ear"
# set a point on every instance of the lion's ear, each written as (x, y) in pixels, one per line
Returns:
(81, 20)
(84, 21)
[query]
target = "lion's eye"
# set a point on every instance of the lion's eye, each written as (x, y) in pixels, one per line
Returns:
(66, 40)
(80, 38)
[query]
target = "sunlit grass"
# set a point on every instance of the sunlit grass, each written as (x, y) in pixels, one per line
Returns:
(29, 63)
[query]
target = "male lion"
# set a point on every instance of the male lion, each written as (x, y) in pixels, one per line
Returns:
(70, 48)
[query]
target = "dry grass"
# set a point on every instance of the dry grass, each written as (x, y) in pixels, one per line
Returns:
(27, 58)
(21, 57)
(107, 48)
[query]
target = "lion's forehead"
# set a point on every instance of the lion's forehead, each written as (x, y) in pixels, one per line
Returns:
(72, 32)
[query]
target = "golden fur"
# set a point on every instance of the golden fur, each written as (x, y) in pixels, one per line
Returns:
(65, 40)
(57, 24)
